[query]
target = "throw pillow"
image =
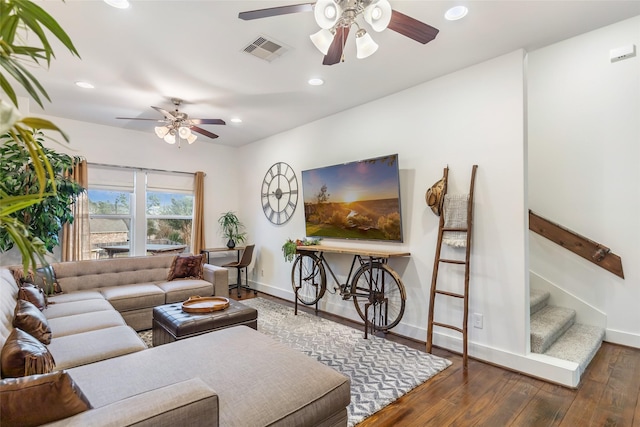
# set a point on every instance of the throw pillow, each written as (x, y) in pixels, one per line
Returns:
(47, 276)
(40, 399)
(44, 277)
(33, 294)
(31, 320)
(24, 355)
(187, 267)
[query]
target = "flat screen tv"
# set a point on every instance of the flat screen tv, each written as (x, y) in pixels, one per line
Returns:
(356, 200)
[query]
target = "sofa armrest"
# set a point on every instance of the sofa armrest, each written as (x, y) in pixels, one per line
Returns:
(219, 276)
(191, 401)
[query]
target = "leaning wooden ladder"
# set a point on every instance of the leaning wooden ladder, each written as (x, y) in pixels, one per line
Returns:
(434, 280)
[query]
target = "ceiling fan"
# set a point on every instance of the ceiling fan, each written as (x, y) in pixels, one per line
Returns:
(336, 17)
(179, 124)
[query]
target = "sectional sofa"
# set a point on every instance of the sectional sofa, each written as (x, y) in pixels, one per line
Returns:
(231, 377)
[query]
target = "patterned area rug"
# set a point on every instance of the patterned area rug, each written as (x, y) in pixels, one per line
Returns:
(381, 371)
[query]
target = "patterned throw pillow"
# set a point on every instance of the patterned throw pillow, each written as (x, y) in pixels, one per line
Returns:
(187, 267)
(31, 320)
(40, 399)
(33, 294)
(24, 355)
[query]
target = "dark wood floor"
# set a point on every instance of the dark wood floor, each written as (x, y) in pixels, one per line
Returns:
(485, 395)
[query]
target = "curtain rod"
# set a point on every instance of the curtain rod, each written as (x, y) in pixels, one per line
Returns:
(139, 169)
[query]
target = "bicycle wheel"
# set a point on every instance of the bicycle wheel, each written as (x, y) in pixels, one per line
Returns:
(309, 278)
(381, 287)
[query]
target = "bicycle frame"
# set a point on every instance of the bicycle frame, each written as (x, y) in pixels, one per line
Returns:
(346, 288)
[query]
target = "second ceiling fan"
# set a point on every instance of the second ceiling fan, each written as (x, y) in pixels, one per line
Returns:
(177, 125)
(336, 17)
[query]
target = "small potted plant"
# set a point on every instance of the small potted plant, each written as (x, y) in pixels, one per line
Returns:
(232, 229)
(289, 250)
(289, 247)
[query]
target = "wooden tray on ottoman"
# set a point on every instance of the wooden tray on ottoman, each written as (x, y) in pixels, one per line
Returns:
(205, 304)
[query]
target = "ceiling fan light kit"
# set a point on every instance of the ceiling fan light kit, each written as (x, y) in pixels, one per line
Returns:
(179, 124)
(322, 40)
(378, 15)
(365, 46)
(336, 17)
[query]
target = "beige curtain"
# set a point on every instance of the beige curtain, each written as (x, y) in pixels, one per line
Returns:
(198, 213)
(76, 243)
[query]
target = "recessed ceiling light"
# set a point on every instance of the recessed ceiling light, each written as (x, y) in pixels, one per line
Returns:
(85, 85)
(236, 120)
(455, 13)
(315, 82)
(120, 4)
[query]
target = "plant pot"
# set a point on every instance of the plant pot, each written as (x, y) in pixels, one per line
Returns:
(231, 244)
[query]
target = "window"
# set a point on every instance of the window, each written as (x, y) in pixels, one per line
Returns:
(169, 218)
(137, 212)
(110, 221)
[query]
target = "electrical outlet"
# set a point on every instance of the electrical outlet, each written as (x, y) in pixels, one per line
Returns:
(477, 320)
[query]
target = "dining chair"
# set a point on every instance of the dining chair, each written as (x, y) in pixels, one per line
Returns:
(244, 262)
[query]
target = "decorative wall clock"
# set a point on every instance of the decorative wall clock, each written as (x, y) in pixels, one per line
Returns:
(279, 195)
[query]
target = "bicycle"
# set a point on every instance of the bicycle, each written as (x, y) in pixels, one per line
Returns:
(374, 285)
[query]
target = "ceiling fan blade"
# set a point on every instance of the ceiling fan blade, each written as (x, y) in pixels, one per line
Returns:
(203, 132)
(164, 112)
(334, 55)
(275, 11)
(138, 118)
(207, 121)
(412, 28)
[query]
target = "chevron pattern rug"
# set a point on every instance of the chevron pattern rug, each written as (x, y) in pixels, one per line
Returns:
(381, 371)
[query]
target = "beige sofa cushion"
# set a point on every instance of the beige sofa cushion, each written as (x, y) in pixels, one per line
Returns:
(88, 347)
(76, 307)
(94, 274)
(133, 297)
(68, 325)
(179, 290)
(189, 402)
(75, 296)
(230, 361)
(8, 299)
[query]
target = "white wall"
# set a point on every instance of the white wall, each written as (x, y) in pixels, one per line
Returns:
(474, 116)
(584, 158)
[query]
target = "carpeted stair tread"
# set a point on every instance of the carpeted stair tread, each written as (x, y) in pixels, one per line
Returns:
(548, 324)
(579, 344)
(537, 300)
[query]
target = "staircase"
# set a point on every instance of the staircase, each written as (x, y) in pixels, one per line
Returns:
(554, 332)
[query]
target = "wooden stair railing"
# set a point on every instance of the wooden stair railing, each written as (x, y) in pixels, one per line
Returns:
(592, 251)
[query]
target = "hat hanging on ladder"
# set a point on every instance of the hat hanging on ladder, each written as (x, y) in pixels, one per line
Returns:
(434, 196)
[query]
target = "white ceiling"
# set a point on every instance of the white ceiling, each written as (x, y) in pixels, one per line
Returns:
(157, 50)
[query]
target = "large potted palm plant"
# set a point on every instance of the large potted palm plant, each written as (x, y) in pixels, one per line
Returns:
(20, 18)
(45, 219)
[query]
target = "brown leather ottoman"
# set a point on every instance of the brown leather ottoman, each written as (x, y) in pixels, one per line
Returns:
(170, 323)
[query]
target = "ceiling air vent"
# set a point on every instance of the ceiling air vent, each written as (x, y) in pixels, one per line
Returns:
(265, 48)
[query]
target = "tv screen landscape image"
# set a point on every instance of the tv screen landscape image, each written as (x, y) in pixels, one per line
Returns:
(356, 200)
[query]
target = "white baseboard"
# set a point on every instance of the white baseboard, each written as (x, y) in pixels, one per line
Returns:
(535, 365)
(623, 338)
